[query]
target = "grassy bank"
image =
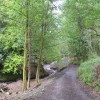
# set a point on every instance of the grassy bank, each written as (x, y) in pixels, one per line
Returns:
(89, 72)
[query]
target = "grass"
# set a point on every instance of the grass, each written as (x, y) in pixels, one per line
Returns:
(87, 72)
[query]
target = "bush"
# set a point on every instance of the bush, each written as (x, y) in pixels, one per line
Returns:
(88, 72)
(13, 64)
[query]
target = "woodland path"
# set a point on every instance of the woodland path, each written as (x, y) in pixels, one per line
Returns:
(64, 87)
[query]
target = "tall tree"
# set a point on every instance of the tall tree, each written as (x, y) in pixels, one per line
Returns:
(26, 47)
(81, 16)
(29, 58)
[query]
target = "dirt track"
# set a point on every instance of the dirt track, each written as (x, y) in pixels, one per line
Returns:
(65, 87)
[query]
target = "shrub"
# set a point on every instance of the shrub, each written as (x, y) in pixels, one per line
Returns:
(13, 64)
(88, 72)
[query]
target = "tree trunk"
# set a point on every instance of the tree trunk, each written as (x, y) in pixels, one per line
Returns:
(25, 64)
(29, 59)
(40, 56)
(26, 48)
(43, 33)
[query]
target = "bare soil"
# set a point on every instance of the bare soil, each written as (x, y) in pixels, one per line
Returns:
(14, 88)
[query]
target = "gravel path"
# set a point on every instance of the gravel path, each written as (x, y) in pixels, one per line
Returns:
(64, 87)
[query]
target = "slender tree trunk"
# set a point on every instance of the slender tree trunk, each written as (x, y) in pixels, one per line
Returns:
(44, 29)
(26, 49)
(25, 64)
(29, 59)
(40, 57)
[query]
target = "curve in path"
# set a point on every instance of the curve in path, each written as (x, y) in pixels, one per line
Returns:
(65, 87)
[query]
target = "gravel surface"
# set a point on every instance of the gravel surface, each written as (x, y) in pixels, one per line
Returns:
(65, 87)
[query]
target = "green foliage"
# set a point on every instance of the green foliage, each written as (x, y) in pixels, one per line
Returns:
(13, 24)
(13, 64)
(87, 72)
(81, 27)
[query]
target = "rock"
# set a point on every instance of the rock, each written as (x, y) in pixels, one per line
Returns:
(54, 65)
(7, 93)
(43, 73)
(48, 69)
(10, 93)
(4, 87)
(17, 92)
(59, 64)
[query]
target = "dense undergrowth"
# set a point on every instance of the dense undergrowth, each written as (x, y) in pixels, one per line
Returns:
(89, 72)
